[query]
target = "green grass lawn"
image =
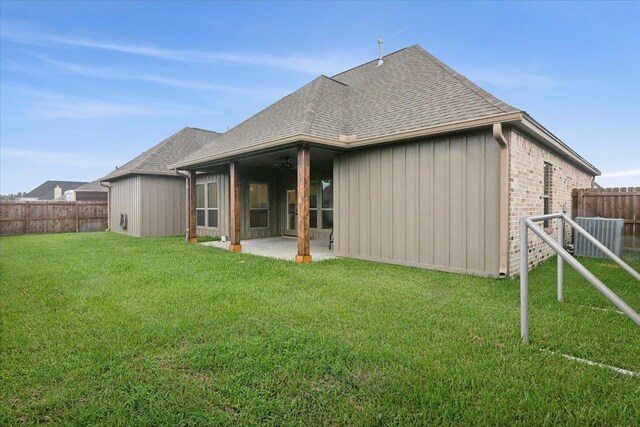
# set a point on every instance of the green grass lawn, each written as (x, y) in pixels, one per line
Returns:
(105, 329)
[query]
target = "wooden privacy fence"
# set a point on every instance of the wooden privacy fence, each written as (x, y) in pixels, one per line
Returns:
(621, 203)
(52, 217)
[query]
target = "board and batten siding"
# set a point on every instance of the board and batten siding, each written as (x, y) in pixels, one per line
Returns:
(154, 205)
(163, 205)
(125, 199)
(431, 203)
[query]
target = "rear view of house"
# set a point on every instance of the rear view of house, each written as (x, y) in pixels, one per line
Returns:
(402, 161)
(145, 197)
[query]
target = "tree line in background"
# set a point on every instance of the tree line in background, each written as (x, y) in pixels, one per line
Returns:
(13, 196)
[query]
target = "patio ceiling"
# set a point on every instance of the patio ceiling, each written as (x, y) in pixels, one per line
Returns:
(275, 160)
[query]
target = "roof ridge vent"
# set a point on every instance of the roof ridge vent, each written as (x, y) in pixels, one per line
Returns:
(380, 61)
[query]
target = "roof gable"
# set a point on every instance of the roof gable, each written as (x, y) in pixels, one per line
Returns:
(174, 148)
(296, 113)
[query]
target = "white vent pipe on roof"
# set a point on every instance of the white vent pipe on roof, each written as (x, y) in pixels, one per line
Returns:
(380, 61)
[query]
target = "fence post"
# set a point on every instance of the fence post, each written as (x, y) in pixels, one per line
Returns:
(524, 282)
(26, 217)
(560, 265)
(77, 217)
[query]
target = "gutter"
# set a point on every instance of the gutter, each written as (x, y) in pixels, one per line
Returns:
(353, 142)
(504, 199)
(107, 185)
(519, 119)
(116, 175)
(185, 175)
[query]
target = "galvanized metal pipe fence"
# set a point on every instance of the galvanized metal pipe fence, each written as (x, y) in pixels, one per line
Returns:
(529, 223)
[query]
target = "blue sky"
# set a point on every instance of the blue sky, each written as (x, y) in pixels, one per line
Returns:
(86, 86)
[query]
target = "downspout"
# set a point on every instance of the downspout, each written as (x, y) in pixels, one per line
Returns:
(186, 186)
(108, 187)
(504, 199)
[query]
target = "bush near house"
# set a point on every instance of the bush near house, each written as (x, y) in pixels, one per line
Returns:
(99, 328)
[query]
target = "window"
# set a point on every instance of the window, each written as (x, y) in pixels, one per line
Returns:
(200, 214)
(258, 205)
(327, 204)
(313, 205)
(546, 196)
(212, 204)
(207, 205)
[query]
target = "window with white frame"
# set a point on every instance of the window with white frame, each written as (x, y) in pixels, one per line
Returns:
(258, 205)
(212, 204)
(546, 194)
(200, 203)
(326, 188)
(207, 205)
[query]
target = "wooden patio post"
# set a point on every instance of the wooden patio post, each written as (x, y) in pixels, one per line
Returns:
(234, 208)
(191, 224)
(304, 167)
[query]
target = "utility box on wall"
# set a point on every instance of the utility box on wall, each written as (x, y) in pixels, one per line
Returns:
(607, 231)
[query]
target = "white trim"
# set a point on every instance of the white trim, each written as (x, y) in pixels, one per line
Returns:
(321, 205)
(207, 209)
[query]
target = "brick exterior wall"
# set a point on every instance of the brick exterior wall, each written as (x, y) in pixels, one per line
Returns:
(526, 173)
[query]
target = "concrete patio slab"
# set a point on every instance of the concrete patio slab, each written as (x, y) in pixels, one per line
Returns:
(279, 247)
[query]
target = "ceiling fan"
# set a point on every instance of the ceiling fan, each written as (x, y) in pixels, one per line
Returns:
(286, 164)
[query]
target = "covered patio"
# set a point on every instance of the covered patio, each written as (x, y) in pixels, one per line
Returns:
(285, 248)
(277, 203)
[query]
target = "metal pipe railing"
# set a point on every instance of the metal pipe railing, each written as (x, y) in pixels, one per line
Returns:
(527, 223)
(560, 225)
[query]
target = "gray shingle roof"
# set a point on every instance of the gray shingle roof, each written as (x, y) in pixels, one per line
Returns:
(411, 90)
(173, 149)
(92, 186)
(45, 191)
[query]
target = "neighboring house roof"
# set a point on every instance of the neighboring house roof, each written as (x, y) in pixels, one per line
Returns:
(412, 91)
(92, 186)
(45, 191)
(155, 161)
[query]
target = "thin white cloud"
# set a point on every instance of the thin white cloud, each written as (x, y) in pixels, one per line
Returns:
(395, 33)
(35, 104)
(316, 64)
(116, 74)
(621, 173)
(53, 158)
